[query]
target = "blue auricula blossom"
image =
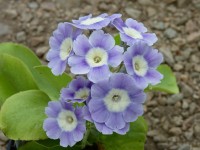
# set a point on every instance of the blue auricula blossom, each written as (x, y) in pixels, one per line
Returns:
(132, 31)
(61, 47)
(64, 122)
(78, 90)
(94, 23)
(141, 62)
(115, 103)
(93, 55)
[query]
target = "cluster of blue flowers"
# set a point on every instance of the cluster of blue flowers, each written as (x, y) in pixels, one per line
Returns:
(112, 99)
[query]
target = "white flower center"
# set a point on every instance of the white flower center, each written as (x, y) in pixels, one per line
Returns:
(132, 33)
(82, 93)
(117, 100)
(67, 120)
(90, 21)
(65, 48)
(97, 57)
(140, 65)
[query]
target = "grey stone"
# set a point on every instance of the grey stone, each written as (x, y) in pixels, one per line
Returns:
(188, 135)
(26, 17)
(49, 6)
(11, 13)
(21, 36)
(4, 29)
(185, 104)
(151, 11)
(192, 107)
(196, 3)
(182, 3)
(160, 138)
(35, 41)
(168, 57)
(152, 133)
(175, 98)
(177, 120)
(146, 2)
(134, 13)
(175, 131)
(41, 51)
(186, 90)
(184, 147)
(193, 37)
(178, 67)
(159, 25)
(197, 68)
(33, 5)
(170, 33)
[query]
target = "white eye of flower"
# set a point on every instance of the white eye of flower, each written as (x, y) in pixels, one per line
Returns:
(132, 33)
(140, 65)
(65, 48)
(82, 94)
(67, 120)
(90, 21)
(96, 57)
(117, 100)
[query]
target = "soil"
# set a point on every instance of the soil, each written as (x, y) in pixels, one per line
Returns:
(174, 120)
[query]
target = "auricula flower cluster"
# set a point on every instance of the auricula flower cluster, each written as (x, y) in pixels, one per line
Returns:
(101, 94)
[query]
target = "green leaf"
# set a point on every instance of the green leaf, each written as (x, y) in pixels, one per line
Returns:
(133, 140)
(22, 115)
(23, 53)
(50, 83)
(117, 39)
(36, 146)
(168, 83)
(14, 77)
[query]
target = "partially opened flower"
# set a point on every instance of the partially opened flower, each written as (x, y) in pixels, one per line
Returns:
(141, 62)
(64, 122)
(61, 47)
(115, 103)
(78, 90)
(96, 23)
(93, 55)
(132, 31)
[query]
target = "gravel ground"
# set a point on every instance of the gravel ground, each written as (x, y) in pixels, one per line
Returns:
(174, 120)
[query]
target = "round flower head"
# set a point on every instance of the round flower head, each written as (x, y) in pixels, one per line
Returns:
(115, 103)
(141, 62)
(61, 47)
(132, 31)
(98, 22)
(78, 90)
(64, 122)
(93, 55)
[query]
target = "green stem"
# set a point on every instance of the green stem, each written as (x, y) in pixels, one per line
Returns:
(86, 135)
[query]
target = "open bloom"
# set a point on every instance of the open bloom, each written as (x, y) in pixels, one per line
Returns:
(64, 122)
(132, 31)
(141, 62)
(61, 47)
(78, 90)
(115, 103)
(93, 55)
(98, 22)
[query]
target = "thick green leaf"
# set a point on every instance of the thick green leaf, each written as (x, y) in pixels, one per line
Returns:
(168, 83)
(133, 140)
(22, 115)
(117, 39)
(50, 83)
(36, 146)
(14, 77)
(23, 53)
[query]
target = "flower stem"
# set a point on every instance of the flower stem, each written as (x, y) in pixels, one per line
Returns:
(84, 141)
